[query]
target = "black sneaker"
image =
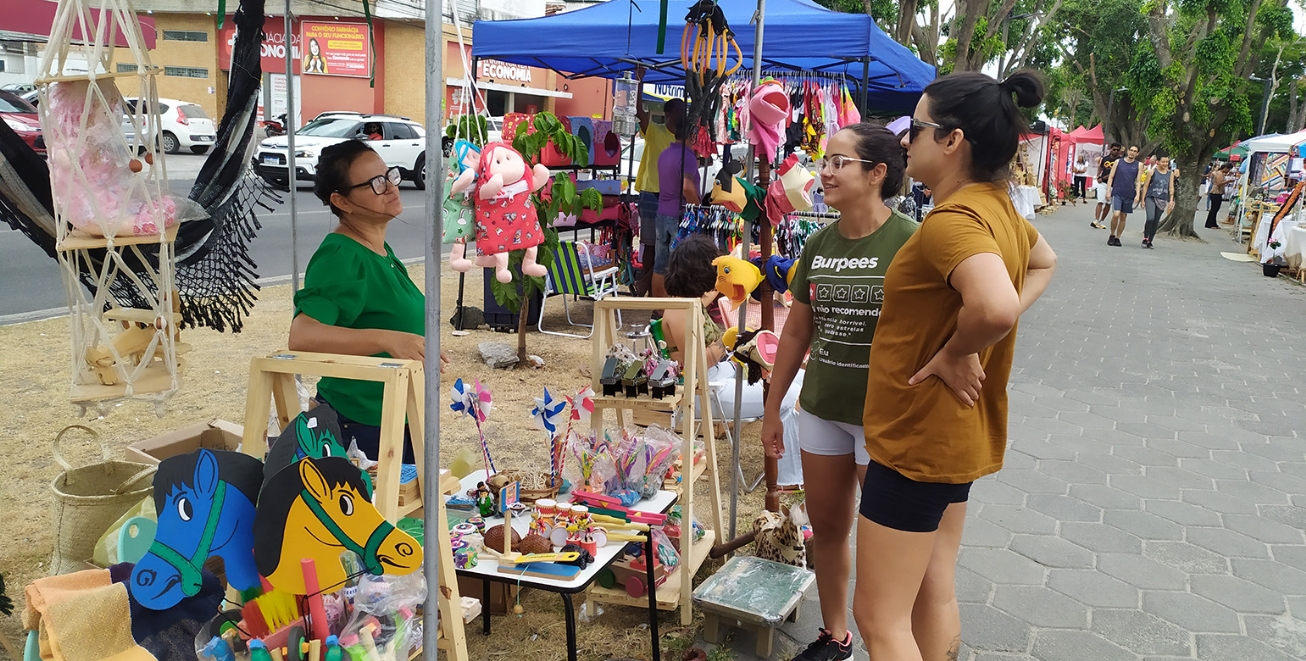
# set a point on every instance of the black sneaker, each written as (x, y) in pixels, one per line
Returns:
(826, 648)
(1111, 240)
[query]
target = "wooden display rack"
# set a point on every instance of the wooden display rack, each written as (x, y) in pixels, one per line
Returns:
(678, 589)
(403, 398)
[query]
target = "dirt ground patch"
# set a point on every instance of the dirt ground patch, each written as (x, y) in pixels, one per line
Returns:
(34, 368)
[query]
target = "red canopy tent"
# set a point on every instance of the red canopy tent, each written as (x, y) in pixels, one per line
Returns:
(1069, 150)
(19, 18)
(1091, 136)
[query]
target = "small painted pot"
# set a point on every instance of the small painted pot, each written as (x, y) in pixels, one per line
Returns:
(463, 530)
(465, 557)
(479, 523)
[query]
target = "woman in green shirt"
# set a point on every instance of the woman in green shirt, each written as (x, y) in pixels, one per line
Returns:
(357, 297)
(838, 289)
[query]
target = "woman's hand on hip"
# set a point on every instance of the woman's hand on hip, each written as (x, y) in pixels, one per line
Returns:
(405, 346)
(773, 435)
(963, 374)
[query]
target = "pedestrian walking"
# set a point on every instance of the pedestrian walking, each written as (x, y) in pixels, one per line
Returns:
(1159, 198)
(1220, 178)
(1126, 192)
(935, 417)
(657, 137)
(1103, 209)
(1080, 188)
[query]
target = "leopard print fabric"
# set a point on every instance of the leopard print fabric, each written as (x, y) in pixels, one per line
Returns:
(779, 538)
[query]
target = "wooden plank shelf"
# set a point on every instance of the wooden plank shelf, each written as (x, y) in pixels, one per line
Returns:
(667, 404)
(153, 379)
(77, 240)
(668, 592)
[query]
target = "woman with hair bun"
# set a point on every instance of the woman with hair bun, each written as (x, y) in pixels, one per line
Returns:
(935, 418)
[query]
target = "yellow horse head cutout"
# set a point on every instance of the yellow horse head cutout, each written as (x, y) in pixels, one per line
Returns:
(316, 509)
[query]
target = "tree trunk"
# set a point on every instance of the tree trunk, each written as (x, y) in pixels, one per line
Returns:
(522, 315)
(1292, 107)
(1187, 190)
(906, 21)
(968, 14)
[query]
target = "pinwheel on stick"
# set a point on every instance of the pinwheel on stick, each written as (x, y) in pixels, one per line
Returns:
(475, 401)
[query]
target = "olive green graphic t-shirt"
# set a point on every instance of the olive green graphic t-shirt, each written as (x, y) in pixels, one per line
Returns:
(843, 280)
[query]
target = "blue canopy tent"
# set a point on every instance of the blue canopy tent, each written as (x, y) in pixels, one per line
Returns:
(613, 36)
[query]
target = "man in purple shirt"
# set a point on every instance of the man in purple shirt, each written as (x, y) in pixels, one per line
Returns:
(678, 181)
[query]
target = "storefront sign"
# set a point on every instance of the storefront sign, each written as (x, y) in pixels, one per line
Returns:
(336, 49)
(496, 70)
(273, 50)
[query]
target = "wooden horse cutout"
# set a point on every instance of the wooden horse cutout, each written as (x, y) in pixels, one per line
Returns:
(205, 502)
(317, 508)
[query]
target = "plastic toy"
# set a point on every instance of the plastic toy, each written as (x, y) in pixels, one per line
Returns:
(506, 219)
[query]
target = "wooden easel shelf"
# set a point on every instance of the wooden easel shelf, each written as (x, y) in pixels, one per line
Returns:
(641, 402)
(77, 240)
(668, 592)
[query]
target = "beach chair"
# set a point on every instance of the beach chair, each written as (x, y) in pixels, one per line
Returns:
(573, 274)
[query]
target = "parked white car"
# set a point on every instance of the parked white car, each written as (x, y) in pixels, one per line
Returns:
(402, 143)
(183, 126)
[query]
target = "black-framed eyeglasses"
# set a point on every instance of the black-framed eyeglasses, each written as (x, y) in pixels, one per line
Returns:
(380, 181)
(919, 125)
(837, 161)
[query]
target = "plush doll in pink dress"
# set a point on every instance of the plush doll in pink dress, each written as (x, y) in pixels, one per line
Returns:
(505, 218)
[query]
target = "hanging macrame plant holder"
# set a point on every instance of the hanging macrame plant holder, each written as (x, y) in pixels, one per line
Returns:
(110, 193)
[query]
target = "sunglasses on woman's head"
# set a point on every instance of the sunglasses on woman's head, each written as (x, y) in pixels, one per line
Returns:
(379, 182)
(918, 125)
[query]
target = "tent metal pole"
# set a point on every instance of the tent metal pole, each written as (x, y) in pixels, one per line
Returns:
(866, 81)
(290, 150)
(431, 429)
(743, 309)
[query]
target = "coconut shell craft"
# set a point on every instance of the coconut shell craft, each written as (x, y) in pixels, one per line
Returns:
(494, 538)
(533, 543)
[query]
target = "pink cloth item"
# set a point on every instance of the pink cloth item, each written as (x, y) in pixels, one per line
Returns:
(508, 221)
(769, 113)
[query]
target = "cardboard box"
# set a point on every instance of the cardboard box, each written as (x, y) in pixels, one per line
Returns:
(214, 435)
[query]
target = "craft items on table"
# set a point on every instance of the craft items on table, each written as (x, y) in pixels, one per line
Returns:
(506, 219)
(206, 506)
(475, 401)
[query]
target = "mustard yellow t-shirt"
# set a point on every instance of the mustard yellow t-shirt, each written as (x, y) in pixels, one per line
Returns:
(656, 139)
(924, 432)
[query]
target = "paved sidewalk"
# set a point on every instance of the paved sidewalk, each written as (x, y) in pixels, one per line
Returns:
(1154, 496)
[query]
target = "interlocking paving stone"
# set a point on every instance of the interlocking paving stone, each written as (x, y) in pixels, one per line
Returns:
(987, 628)
(1182, 513)
(1217, 501)
(1019, 519)
(1101, 538)
(1111, 464)
(1294, 556)
(1001, 566)
(1239, 594)
(1041, 607)
(1147, 456)
(1191, 612)
(1072, 472)
(1032, 481)
(1141, 572)
(1093, 588)
(1186, 557)
(1224, 647)
(989, 490)
(1265, 530)
(1052, 645)
(972, 588)
(1271, 574)
(1051, 551)
(1179, 477)
(1145, 487)
(1285, 514)
(1214, 469)
(1254, 493)
(1228, 543)
(1141, 632)
(1246, 458)
(1181, 449)
(1105, 496)
(1284, 633)
(979, 531)
(1143, 524)
(1064, 508)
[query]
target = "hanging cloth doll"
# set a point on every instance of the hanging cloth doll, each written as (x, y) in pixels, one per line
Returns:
(459, 203)
(505, 217)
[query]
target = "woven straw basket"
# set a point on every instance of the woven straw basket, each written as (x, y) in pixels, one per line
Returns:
(87, 500)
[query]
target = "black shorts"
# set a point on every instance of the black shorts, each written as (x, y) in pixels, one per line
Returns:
(901, 503)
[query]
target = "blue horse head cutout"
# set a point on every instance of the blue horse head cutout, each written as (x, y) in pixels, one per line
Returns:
(206, 504)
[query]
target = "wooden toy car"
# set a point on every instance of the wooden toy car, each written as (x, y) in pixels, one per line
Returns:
(630, 573)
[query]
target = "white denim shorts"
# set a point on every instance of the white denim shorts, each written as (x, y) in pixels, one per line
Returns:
(825, 437)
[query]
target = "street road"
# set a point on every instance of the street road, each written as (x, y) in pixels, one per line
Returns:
(31, 286)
